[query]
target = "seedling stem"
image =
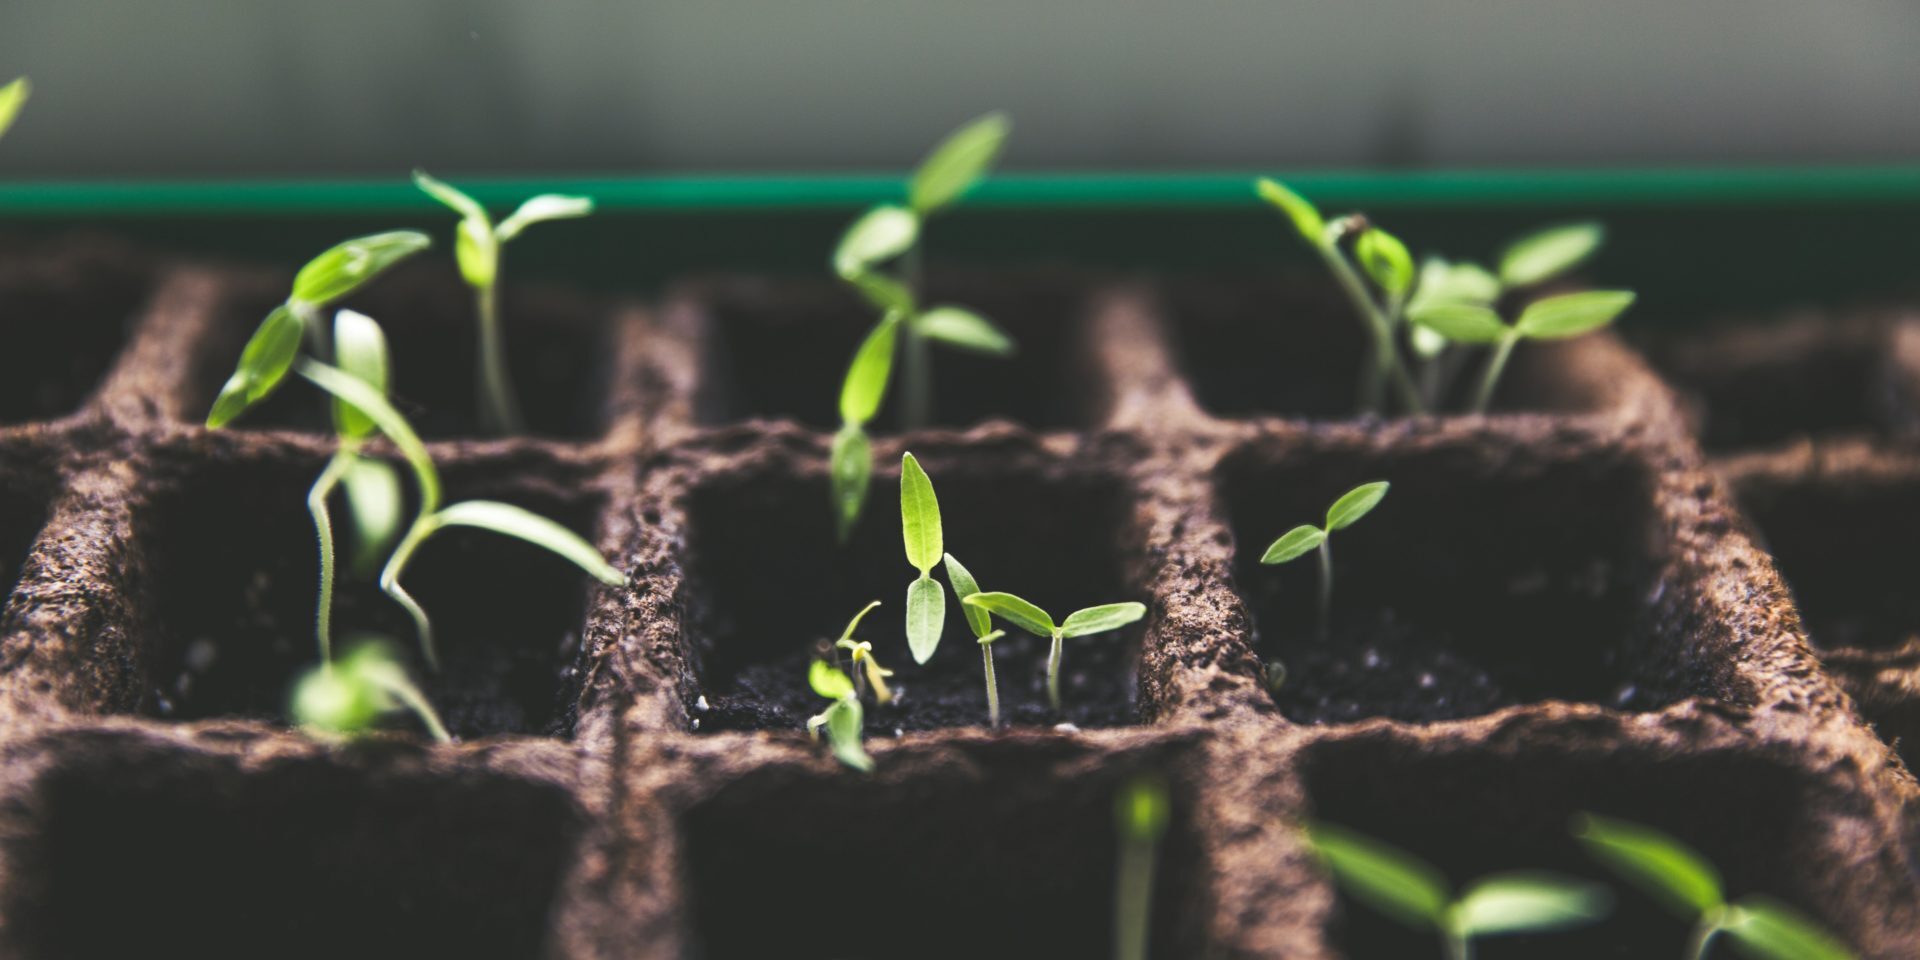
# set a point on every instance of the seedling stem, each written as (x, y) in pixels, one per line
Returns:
(1351, 506)
(1140, 813)
(993, 685)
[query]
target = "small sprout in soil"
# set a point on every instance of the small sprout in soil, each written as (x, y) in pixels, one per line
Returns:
(477, 247)
(891, 233)
(350, 695)
(1686, 884)
(920, 530)
(334, 274)
(1552, 318)
(981, 624)
(1351, 506)
(1080, 623)
(843, 718)
(1413, 893)
(1140, 813)
(13, 96)
(866, 670)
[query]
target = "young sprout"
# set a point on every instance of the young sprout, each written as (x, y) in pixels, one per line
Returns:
(866, 670)
(13, 96)
(1413, 893)
(348, 696)
(981, 624)
(1080, 623)
(1140, 813)
(1685, 883)
(1552, 318)
(920, 530)
(880, 236)
(477, 247)
(843, 718)
(1351, 506)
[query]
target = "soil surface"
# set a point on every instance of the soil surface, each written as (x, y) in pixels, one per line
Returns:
(65, 310)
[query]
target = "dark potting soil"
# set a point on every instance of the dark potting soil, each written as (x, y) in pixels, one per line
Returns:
(65, 312)
(236, 572)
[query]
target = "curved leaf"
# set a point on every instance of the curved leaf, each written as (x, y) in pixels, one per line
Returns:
(360, 349)
(1545, 254)
(964, 586)
(866, 383)
(926, 617)
(850, 472)
(1765, 929)
(882, 291)
(959, 327)
(854, 624)
(451, 196)
(1356, 503)
(1014, 610)
(880, 234)
(396, 428)
(375, 503)
(1384, 877)
(1459, 322)
(540, 209)
(1294, 543)
(348, 265)
(1668, 870)
(958, 162)
(1100, 619)
(1572, 314)
(1306, 218)
(1442, 281)
(1528, 901)
(523, 524)
(263, 365)
(845, 720)
(1386, 260)
(13, 96)
(919, 516)
(828, 681)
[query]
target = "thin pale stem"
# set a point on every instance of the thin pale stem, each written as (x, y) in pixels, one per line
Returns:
(1133, 899)
(499, 410)
(1702, 936)
(1053, 673)
(1458, 946)
(390, 585)
(1326, 588)
(323, 532)
(1379, 325)
(1483, 397)
(993, 686)
(411, 697)
(859, 679)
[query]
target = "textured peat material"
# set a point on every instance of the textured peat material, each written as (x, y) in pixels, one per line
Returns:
(1538, 564)
(65, 312)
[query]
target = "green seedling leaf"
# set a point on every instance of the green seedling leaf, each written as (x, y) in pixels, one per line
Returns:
(854, 624)
(926, 617)
(1572, 314)
(1355, 503)
(477, 251)
(1294, 543)
(919, 516)
(1764, 929)
(264, 363)
(523, 524)
(348, 266)
(1386, 260)
(1445, 282)
(351, 695)
(964, 586)
(1141, 810)
(1100, 619)
(1426, 343)
(375, 505)
(1305, 217)
(1014, 610)
(880, 234)
(396, 428)
(845, 720)
(866, 382)
(883, 292)
(851, 471)
(13, 96)
(541, 209)
(453, 197)
(828, 681)
(964, 329)
(1459, 322)
(1545, 254)
(360, 349)
(1668, 870)
(957, 163)
(1521, 902)
(1386, 878)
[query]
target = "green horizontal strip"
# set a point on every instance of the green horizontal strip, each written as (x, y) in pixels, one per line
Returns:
(1891, 185)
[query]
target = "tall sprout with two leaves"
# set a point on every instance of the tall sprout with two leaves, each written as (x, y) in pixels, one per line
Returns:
(13, 96)
(978, 621)
(890, 235)
(1687, 885)
(1295, 543)
(1080, 623)
(478, 243)
(1414, 894)
(1446, 308)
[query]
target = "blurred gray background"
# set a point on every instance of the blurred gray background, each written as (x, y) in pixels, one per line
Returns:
(374, 87)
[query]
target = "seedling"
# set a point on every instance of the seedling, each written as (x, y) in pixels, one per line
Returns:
(883, 235)
(349, 696)
(920, 530)
(1080, 623)
(843, 718)
(1140, 813)
(1686, 884)
(866, 670)
(981, 624)
(1413, 893)
(1553, 318)
(1295, 543)
(477, 247)
(13, 96)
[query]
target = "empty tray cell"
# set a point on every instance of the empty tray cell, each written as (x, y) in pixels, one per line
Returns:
(65, 313)
(780, 349)
(1498, 570)
(1293, 347)
(559, 351)
(770, 590)
(1472, 811)
(234, 567)
(1758, 384)
(194, 855)
(1006, 854)
(23, 512)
